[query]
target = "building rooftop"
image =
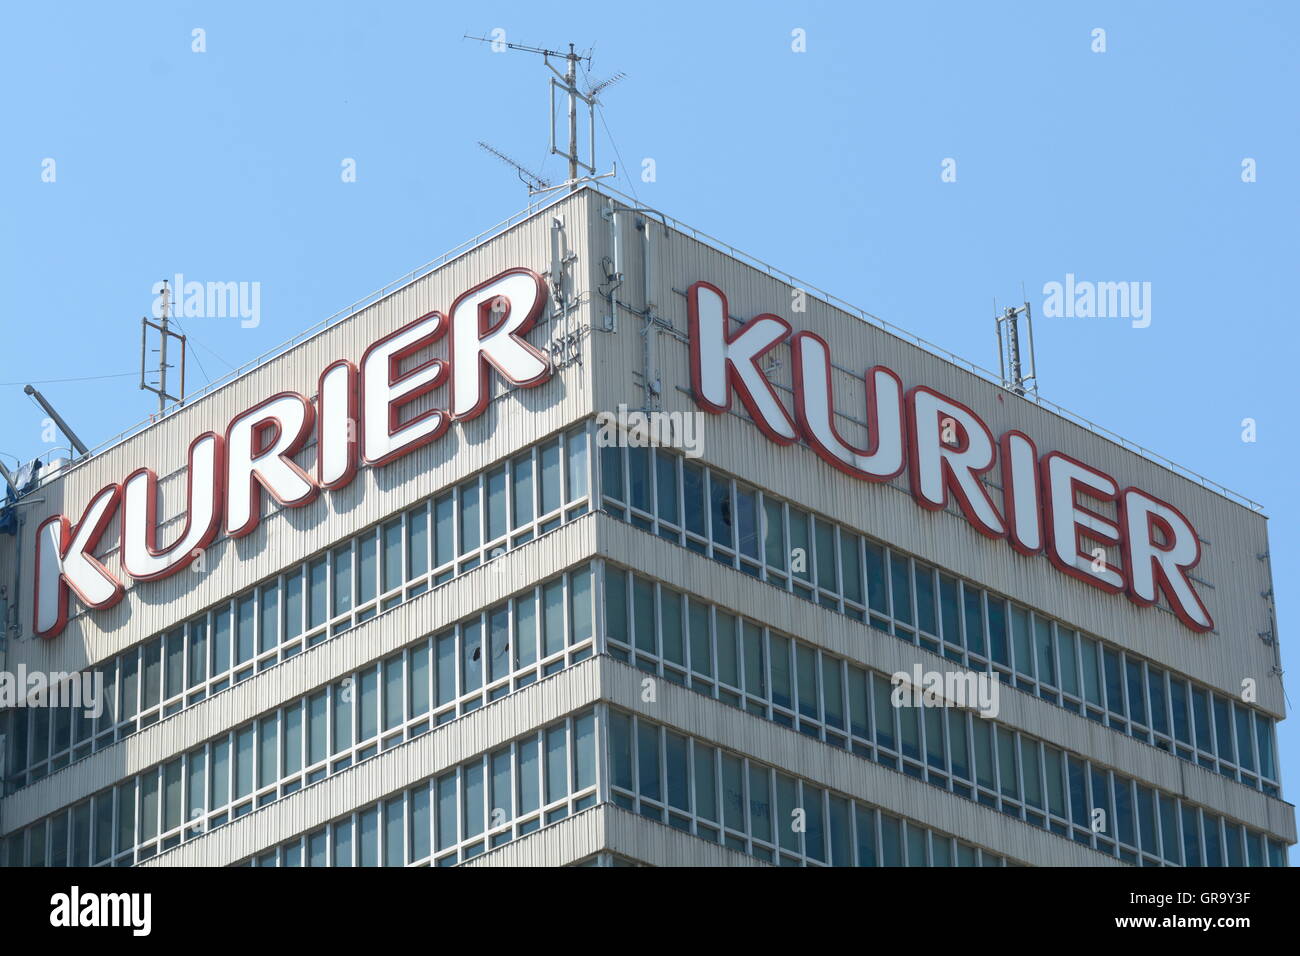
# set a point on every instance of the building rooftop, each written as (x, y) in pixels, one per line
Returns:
(558, 195)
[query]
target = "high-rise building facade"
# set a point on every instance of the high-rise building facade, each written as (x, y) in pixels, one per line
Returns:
(598, 543)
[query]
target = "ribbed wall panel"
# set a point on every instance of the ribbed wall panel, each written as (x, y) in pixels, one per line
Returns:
(514, 419)
(443, 747)
(613, 829)
(606, 679)
(304, 673)
(839, 770)
(845, 637)
(1233, 535)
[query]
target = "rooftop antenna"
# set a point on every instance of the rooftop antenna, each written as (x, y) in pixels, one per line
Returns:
(1018, 375)
(164, 334)
(567, 83)
(534, 182)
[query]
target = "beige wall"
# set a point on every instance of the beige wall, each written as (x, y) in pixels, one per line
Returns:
(288, 536)
(1232, 534)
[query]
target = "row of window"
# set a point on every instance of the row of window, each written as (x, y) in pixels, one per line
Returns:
(545, 485)
(497, 797)
(743, 527)
(748, 806)
(690, 785)
(781, 679)
(453, 532)
(428, 683)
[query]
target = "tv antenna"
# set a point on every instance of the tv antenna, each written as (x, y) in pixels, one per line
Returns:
(1018, 375)
(534, 182)
(165, 333)
(566, 83)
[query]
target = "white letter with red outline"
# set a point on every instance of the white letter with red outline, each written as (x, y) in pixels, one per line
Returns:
(488, 324)
(1162, 566)
(721, 361)
(336, 425)
(814, 408)
(1020, 492)
(938, 467)
(65, 561)
(141, 556)
(258, 445)
(1067, 524)
(386, 390)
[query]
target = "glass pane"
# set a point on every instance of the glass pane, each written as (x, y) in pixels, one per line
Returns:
(801, 560)
(647, 750)
(781, 686)
(268, 635)
(728, 656)
(827, 576)
(611, 471)
(670, 617)
(469, 517)
(747, 521)
(721, 508)
(523, 490)
(553, 617)
(393, 576)
(550, 478)
(926, 618)
(948, 608)
(773, 533)
(580, 611)
(496, 503)
(693, 497)
(417, 541)
(471, 675)
(244, 631)
(755, 671)
(367, 567)
(616, 604)
(706, 785)
(342, 581)
(701, 639)
(444, 545)
(525, 630)
(576, 443)
(666, 487)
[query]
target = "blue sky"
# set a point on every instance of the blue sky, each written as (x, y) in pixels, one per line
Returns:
(1122, 165)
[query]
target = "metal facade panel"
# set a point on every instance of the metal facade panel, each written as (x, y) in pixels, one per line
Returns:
(407, 764)
(306, 672)
(1233, 536)
(515, 418)
(843, 636)
(832, 767)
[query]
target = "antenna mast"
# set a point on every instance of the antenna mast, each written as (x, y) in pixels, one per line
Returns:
(1018, 375)
(165, 333)
(567, 83)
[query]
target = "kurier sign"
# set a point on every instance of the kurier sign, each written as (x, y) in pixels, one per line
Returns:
(946, 447)
(357, 419)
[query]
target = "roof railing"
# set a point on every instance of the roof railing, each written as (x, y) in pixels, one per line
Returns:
(556, 197)
(941, 352)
